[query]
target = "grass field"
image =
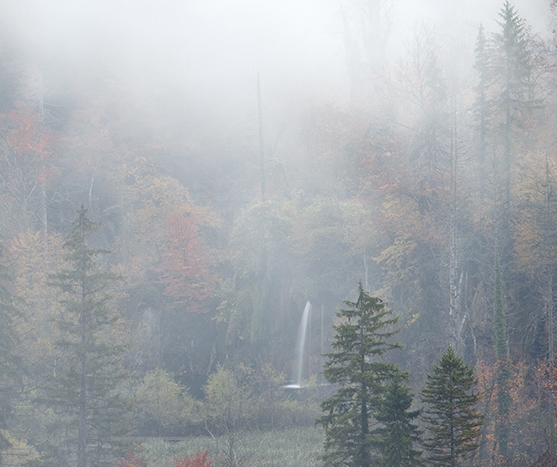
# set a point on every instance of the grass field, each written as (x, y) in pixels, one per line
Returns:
(295, 447)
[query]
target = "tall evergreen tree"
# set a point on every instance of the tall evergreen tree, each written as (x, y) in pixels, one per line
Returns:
(512, 97)
(398, 435)
(452, 421)
(84, 387)
(360, 338)
(512, 68)
(481, 104)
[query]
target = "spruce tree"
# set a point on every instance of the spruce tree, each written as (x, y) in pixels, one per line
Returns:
(449, 411)
(397, 437)
(84, 387)
(512, 74)
(512, 99)
(481, 104)
(361, 337)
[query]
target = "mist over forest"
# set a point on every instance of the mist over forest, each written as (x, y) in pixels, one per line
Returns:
(220, 165)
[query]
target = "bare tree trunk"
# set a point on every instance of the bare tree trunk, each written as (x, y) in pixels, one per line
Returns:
(44, 214)
(82, 427)
(548, 232)
(456, 320)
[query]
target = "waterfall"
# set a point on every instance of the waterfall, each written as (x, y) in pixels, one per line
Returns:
(300, 348)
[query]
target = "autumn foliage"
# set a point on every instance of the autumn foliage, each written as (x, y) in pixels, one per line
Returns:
(184, 267)
(547, 459)
(200, 460)
(130, 460)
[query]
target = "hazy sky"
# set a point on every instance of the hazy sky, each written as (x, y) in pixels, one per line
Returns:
(228, 32)
(218, 46)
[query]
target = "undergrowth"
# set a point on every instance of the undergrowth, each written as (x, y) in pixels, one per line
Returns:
(294, 447)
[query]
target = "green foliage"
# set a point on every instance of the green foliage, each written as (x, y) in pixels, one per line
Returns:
(9, 361)
(360, 178)
(19, 453)
(511, 84)
(503, 373)
(503, 367)
(164, 407)
(228, 405)
(84, 387)
(360, 338)
(398, 435)
(452, 421)
(292, 447)
(275, 407)
(512, 61)
(481, 105)
(284, 249)
(511, 93)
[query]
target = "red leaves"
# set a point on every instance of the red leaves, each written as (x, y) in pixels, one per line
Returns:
(184, 267)
(200, 460)
(26, 134)
(130, 460)
(546, 374)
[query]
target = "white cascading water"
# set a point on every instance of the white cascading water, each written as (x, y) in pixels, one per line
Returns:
(300, 348)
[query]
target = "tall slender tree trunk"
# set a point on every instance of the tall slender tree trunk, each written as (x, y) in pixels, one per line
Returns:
(364, 423)
(44, 214)
(455, 312)
(548, 233)
(261, 139)
(82, 428)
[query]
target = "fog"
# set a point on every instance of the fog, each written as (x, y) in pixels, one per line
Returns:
(215, 49)
(391, 165)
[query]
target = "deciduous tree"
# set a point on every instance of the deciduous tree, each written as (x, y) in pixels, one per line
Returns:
(503, 367)
(9, 362)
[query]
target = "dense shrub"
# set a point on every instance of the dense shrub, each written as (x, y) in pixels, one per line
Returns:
(164, 408)
(200, 460)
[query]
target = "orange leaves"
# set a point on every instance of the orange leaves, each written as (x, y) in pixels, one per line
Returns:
(26, 134)
(130, 460)
(164, 234)
(32, 258)
(200, 460)
(546, 374)
(521, 421)
(534, 231)
(185, 264)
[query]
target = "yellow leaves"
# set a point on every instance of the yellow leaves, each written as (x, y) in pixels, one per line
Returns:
(19, 454)
(163, 224)
(395, 255)
(32, 260)
(536, 198)
(524, 402)
(399, 263)
(160, 399)
(185, 263)
(527, 246)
